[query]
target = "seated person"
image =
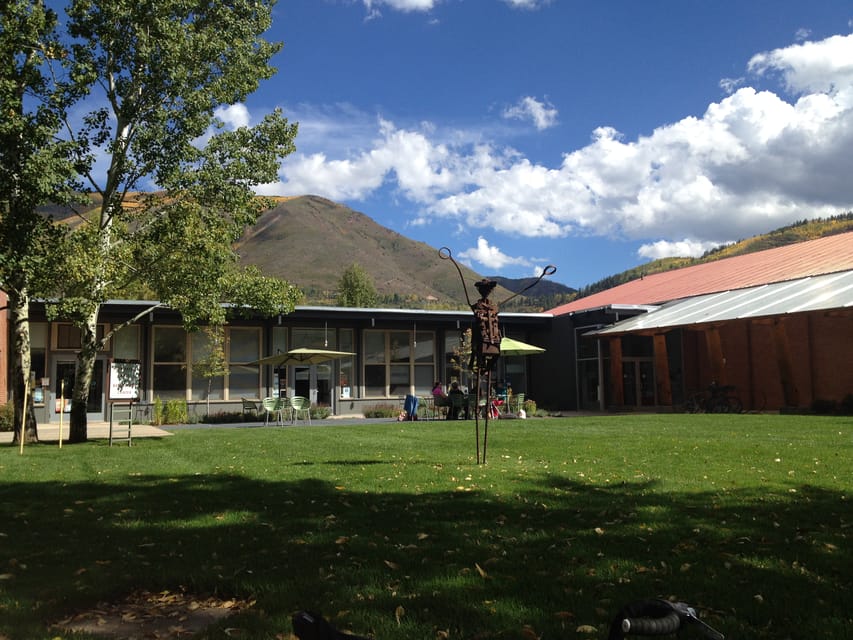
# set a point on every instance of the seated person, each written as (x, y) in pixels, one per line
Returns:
(456, 394)
(441, 399)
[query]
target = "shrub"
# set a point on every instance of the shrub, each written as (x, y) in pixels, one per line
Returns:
(320, 413)
(169, 412)
(382, 411)
(175, 412)
(157, 412)
(529, 407)
(7, 417)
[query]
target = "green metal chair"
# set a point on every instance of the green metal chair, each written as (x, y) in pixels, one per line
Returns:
(273, 406)
(299, 404)
(517, 402)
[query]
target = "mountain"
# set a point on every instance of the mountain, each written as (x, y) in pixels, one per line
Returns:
(309, 241)
(545, 287)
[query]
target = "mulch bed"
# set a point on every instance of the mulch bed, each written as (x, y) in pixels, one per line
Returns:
(143, 615)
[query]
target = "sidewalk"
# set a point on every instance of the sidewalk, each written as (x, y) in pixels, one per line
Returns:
(49, 432)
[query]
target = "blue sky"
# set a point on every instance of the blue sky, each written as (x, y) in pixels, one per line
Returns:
(591, 135)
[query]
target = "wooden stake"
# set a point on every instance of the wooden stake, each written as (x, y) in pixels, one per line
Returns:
(24, 415)
(61, 409)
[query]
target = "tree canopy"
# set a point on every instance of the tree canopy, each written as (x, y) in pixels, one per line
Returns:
(172, 186)
(356, 288)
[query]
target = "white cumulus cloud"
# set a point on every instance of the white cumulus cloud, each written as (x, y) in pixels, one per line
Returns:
(234, 116)
(675, 249)
(754, 160)
(489, 256)
(543, 115)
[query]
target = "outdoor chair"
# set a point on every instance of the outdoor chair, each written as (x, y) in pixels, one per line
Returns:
(516, 403)
(274, 406)
(300, 404)
(250, 407)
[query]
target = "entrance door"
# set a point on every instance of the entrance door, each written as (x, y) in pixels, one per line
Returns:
(65, 373)
(315, 383)
(638, 377)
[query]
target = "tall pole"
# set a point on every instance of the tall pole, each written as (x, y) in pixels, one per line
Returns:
(477, 415)
(488, 412)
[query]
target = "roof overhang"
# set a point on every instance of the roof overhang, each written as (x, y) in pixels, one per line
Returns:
(819, 293)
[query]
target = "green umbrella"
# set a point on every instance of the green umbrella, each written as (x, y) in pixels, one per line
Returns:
(303, 355)
(510, 347)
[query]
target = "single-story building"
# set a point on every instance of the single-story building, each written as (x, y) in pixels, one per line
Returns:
(777, 325)
(396, 352)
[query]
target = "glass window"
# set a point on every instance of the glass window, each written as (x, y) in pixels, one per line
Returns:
(313, 338)
(38, 335)
(399, 345)
(244, 380)
(399, 380)
(67, 336)
(457, 356)
(424, 379)
(374, 380)
(424, 347)
(170, 381)
(126, 343)
(397, 364)
(170, 344)
(347, 365)
(374, 347)
(205, 388)
(279, 340)
(169, 370)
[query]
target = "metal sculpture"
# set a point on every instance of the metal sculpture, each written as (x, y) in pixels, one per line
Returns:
(485, 340)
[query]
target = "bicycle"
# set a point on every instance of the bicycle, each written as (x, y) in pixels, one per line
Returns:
(643, 618)
(717, 399)
(658, 618)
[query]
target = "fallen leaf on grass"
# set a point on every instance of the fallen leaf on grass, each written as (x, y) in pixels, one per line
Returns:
(391, 565)
(586, 628)
(399, 612)
(529, 633)
(481, 571)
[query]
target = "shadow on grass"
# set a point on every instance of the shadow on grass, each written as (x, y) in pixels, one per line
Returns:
(470, 562)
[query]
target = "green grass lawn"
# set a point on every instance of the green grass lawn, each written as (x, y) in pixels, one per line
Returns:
(392, 530)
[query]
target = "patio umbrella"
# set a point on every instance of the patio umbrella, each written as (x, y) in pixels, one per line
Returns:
(303, 355)
(510, 347)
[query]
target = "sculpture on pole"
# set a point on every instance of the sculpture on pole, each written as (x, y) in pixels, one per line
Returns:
(485, 340)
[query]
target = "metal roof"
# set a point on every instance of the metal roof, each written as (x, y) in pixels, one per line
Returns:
(818, 293)
(831, 254)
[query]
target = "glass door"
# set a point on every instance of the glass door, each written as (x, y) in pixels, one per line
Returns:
(315, 383)
(62, 393)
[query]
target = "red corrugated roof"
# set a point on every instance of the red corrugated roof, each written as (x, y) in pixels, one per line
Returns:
(810, 258)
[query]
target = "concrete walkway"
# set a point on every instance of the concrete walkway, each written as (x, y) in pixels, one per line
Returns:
(49, 432)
